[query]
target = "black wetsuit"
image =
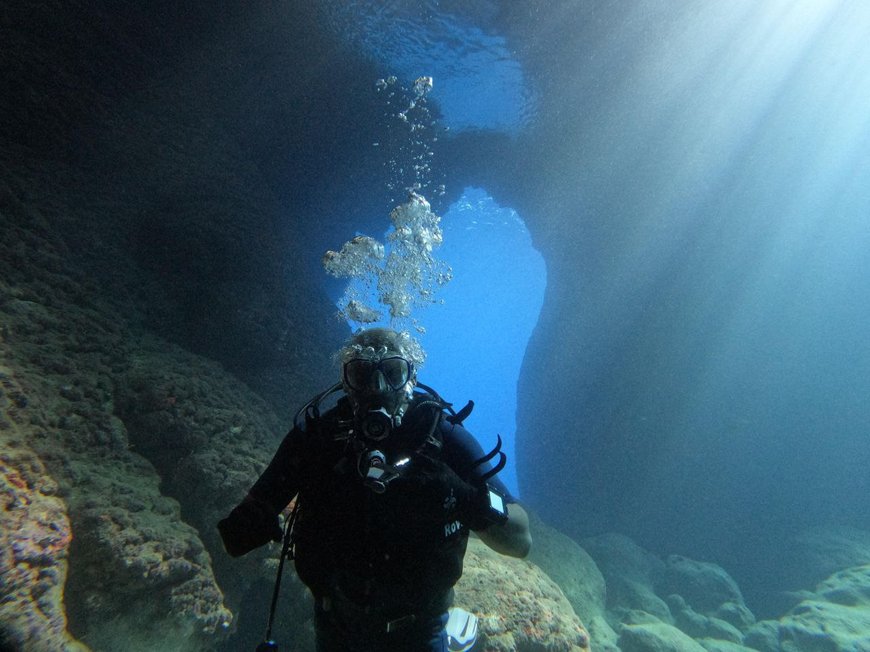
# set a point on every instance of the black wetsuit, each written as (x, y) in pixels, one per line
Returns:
(374, 562)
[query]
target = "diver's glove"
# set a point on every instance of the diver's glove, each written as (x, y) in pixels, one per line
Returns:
(440, 492)
(250, 525)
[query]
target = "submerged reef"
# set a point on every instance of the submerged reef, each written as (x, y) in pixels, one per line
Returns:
(571, 567)
(828, 591)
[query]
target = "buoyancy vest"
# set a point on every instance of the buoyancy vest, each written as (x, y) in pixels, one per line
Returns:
(375, 548)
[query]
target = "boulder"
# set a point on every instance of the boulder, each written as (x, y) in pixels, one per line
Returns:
(630, 573)
(704, 586)
(837, 618)
(716, 645)
(816, 553)
(575, 572)
(617, 554)
(699, 625)
(656, 637)
(735, 613)
(519, 607)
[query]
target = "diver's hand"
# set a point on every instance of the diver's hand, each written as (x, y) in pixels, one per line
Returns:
(250, 525)
(439, 492)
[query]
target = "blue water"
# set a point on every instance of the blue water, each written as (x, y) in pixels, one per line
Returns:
(420, 38)
(471, 353)
(476, 340)
(474, 353)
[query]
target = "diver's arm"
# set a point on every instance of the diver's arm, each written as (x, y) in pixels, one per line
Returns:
(254, 521)
(463, 452)
(277, 485)
(511, 538)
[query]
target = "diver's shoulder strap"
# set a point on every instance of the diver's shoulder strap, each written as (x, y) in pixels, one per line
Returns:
(310, 412)
(441, 410)
(456, 418)
(426, 411)
(336, 421)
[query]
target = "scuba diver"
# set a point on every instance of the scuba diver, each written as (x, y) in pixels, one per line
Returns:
(388, 485)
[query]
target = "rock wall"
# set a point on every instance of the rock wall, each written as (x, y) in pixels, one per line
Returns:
(64, 349)
(150, 282)
(35, 536)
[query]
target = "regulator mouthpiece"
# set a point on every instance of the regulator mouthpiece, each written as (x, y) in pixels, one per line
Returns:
(377, 424)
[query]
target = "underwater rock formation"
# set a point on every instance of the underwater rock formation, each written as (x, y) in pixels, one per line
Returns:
(704, 585)
(519, 607)
(64, 345)
(643, 633)
(674, 604)
(836, 616)
(814, 554)
(134, 225)
(630, 573)
(148, 443)
(34, 541)
(571, 567)
(684, 605)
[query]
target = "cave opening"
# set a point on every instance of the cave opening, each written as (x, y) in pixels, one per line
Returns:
(475, 334)
(476, 340)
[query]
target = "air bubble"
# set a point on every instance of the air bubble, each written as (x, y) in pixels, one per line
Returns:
(405, 278)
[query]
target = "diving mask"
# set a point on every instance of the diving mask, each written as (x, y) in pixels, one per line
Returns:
(365, 375)
(380, 389)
